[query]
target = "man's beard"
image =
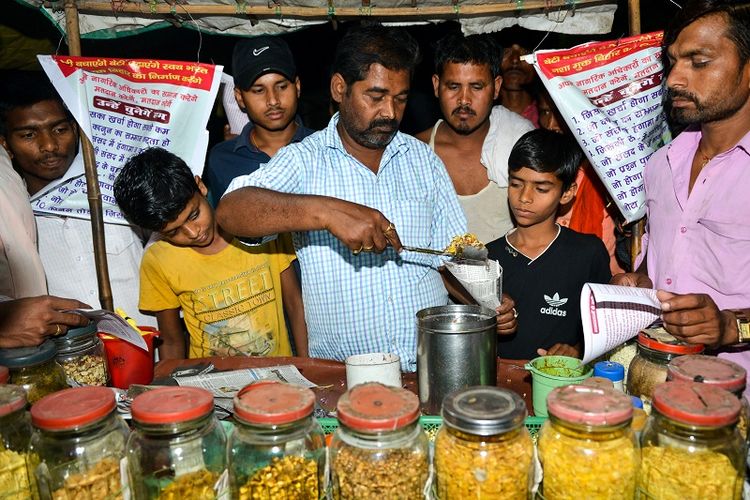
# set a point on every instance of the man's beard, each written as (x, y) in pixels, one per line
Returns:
(703, 112)
(462, 127)
(369, 137)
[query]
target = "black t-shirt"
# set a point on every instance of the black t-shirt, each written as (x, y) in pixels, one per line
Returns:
(547, 290)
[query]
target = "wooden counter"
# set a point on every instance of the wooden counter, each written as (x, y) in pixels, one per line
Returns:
(330, 376)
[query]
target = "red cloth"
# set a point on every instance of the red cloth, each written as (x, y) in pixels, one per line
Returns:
(588, 208)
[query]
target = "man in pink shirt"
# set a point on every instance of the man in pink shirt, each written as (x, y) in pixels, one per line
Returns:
(697, 245)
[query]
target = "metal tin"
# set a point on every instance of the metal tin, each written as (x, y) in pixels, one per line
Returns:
(456, 348)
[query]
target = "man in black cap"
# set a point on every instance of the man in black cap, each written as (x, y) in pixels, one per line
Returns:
(266, 87)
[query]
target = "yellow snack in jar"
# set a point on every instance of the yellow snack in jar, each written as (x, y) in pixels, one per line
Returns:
(476, 467)
(674, 474)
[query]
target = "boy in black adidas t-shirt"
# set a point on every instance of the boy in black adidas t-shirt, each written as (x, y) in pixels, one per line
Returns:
(545, 265)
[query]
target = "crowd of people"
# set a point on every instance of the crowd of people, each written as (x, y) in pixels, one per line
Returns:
(291, 239)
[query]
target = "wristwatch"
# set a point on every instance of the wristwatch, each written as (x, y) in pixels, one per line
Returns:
(743, 326)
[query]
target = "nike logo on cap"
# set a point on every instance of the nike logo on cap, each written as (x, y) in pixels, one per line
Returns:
(257, 52)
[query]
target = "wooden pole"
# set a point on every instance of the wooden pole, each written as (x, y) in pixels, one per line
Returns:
(639, 227)
(263, 10)
(92, 179)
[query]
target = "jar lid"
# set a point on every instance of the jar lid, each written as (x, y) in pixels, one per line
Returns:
(28, 356)
(708, 370)
(609, 370)
(271, 402)
(580, 404)
(375, 407)
(169, 405)
(71, 408)
(12, 398)
(696, 404)
(484, 410)
(669, 346)
(75, 334)
(4, 374)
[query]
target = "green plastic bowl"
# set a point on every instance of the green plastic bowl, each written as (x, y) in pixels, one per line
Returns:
(548, 372)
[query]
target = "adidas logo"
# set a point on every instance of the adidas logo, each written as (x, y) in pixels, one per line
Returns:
(555, 302)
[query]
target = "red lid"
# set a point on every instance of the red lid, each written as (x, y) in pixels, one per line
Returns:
(696, 404)
(71, 408)
(271, 402)
(581, 404)
(675, 347)
(169, 405)
(376, 407)
(12, 398)
(709, 370)
(4, 374)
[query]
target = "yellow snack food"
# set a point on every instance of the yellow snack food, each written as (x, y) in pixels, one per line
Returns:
(290, 477)
(198, 485)
(101, 481)
(674, 474)
(578, 466)
(475, 467)
(458, 243)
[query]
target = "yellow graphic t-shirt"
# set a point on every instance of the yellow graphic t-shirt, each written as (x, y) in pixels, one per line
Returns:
(231, 300)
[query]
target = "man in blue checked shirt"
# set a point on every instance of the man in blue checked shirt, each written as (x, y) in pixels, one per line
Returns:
(351, 193)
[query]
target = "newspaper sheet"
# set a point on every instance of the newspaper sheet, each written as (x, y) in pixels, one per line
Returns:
(483, 282)
(228, 384)
(612, 315)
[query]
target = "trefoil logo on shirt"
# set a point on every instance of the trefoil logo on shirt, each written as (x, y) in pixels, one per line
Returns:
(555, 302)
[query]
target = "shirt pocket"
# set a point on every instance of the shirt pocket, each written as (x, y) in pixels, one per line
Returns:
(413, 221)
(723, 260)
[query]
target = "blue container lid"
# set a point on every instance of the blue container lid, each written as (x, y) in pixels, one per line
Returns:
(28, 356)
(609, 369)
(637, 403)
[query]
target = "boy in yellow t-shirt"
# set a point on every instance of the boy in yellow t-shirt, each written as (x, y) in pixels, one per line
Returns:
(232, 296)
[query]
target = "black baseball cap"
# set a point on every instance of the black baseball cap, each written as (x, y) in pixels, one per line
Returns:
(254, 57)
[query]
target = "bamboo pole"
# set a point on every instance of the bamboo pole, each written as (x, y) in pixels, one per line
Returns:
(272, 10)
(639, 227)
(92, 179)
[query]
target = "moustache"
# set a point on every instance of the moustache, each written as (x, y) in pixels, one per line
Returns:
(681, 94)
(51, 156)
(383, 123)
(464, 109)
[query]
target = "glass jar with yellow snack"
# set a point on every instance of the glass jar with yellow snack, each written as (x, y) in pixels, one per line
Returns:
(718, 372)
(691, 448)
(35, 369)
(379, 450)
(16, 465)
(587, 448)
(483, 449)
(277, 449)
(80, 442)
(177, 450)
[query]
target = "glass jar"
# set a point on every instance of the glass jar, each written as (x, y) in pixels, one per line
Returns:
(483, 449)
(277, 449)
(656, 348)
(177, 449)
(16, 463)
(690, 447)
(587, 447)
(80, 442)
(379, 450)
(35, 369)
(81, 354)
(717, 372)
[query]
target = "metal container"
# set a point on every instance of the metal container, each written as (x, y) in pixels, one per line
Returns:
(456, 348)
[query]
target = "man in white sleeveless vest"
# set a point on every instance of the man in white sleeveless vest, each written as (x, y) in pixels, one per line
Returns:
(474, 138)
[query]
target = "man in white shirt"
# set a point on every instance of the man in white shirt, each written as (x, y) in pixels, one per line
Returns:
(478, 138)
(41, 138)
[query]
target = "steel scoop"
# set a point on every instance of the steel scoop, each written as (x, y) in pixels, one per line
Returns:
(463, 253)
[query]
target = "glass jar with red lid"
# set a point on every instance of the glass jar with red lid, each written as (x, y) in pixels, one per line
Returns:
(379, 449)
(587, 447)
(691, 447)
(656, 348)
(717, 372)
(177, 449)
(277, 448)
(80, 442)
(16, 463)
